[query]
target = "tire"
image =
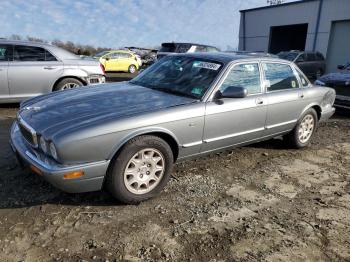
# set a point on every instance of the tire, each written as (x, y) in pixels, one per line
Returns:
(132, 69)
(67, 83)
(302, 133)
(131, 170)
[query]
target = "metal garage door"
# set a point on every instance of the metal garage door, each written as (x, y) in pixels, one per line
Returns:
(339, 45)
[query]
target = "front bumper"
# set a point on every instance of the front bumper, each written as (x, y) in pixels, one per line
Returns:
(95, 79)
(53, 172)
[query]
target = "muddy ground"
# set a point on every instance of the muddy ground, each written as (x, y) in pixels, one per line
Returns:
(264, 202)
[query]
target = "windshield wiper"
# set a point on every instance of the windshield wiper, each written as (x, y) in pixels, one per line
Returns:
(172, 91)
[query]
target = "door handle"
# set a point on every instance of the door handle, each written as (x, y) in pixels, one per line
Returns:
(301, 95)
(259, 101)
(49, 67)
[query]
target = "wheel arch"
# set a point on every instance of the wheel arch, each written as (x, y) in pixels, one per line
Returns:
(67, 76)
(316, 107)
(162, 133)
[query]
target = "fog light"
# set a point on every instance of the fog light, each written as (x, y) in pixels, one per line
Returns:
(36, 170)
(72, 175)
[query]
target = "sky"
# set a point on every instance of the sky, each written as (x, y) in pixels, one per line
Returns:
(118, 23)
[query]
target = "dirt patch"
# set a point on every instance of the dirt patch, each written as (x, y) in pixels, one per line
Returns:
(264, 202)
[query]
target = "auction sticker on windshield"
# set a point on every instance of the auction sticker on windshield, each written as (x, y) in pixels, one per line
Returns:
(206, 65)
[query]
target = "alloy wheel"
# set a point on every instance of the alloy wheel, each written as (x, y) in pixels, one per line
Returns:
(306, 128)
(144, 171)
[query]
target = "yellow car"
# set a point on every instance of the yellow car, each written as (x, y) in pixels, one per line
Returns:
(119, 60)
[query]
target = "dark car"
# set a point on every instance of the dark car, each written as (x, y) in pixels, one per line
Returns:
(340, 81)
(168, 48)
(312, 64)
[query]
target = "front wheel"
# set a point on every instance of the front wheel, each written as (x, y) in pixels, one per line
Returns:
(132, 69)
(301, 135)
(141, 169)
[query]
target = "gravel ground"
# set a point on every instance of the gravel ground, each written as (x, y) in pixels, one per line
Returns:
(264, 202)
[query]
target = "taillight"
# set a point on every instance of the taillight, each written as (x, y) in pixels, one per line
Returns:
(103, 69)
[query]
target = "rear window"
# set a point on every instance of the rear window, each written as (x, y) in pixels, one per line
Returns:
(167, 48)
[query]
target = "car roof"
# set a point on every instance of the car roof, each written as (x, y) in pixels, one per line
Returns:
(226, 58)
(184, 43)
(120, 51)
(22, 42)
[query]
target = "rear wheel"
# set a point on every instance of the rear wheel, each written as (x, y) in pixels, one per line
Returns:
(68, 83)
(301, 135)
(141, 169)
(132, 69)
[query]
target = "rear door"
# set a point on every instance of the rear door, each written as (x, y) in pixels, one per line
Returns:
(285, 98)
(231, 121)
(5, 57)
(33, 71)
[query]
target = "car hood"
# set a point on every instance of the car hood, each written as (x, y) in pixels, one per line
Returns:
(340, 76)
(71, 109)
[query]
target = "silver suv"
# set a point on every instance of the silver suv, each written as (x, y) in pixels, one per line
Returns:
(30, 69)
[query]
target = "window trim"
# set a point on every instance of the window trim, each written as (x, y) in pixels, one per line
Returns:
(283, 63)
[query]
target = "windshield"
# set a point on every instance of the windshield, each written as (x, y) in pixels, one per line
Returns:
(101, 53)
(185, 76)
(287, 55)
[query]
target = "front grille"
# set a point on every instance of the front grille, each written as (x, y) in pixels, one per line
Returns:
(28, 134)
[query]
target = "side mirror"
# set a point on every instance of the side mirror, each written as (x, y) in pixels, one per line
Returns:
(340, 67)
(232, 92)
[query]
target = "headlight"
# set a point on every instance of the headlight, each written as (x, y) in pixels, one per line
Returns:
(43, 144)
(53, 150)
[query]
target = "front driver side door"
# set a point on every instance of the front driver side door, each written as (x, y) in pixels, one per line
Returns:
(232, 121)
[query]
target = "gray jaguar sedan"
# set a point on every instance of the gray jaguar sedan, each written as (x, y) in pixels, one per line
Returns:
(127, 136)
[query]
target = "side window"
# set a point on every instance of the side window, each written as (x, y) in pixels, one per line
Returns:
(114, 56)
(200, 48)
(5, 53)
(29, 53)
(280, 76)
(49, 56)
(244, 75)
(303, 80)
